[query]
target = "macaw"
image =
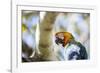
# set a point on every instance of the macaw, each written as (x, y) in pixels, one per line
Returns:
(70, 49)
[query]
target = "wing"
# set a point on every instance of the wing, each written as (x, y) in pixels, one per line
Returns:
(78, 52)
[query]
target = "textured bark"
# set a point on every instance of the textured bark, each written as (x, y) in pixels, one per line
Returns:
(46, 33)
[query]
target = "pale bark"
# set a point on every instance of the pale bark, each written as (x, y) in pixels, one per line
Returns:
(46, 36)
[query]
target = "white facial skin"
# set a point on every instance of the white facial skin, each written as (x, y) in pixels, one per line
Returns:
(61, 36)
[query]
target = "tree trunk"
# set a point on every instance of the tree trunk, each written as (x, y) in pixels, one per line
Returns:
(46, 36)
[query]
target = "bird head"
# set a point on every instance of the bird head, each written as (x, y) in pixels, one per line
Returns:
(63, 38)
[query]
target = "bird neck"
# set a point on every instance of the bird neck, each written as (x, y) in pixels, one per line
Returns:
(72, 42)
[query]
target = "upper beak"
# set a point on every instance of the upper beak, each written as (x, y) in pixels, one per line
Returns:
(59, 41)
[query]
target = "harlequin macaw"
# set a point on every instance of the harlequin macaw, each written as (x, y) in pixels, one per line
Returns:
(70, 49)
